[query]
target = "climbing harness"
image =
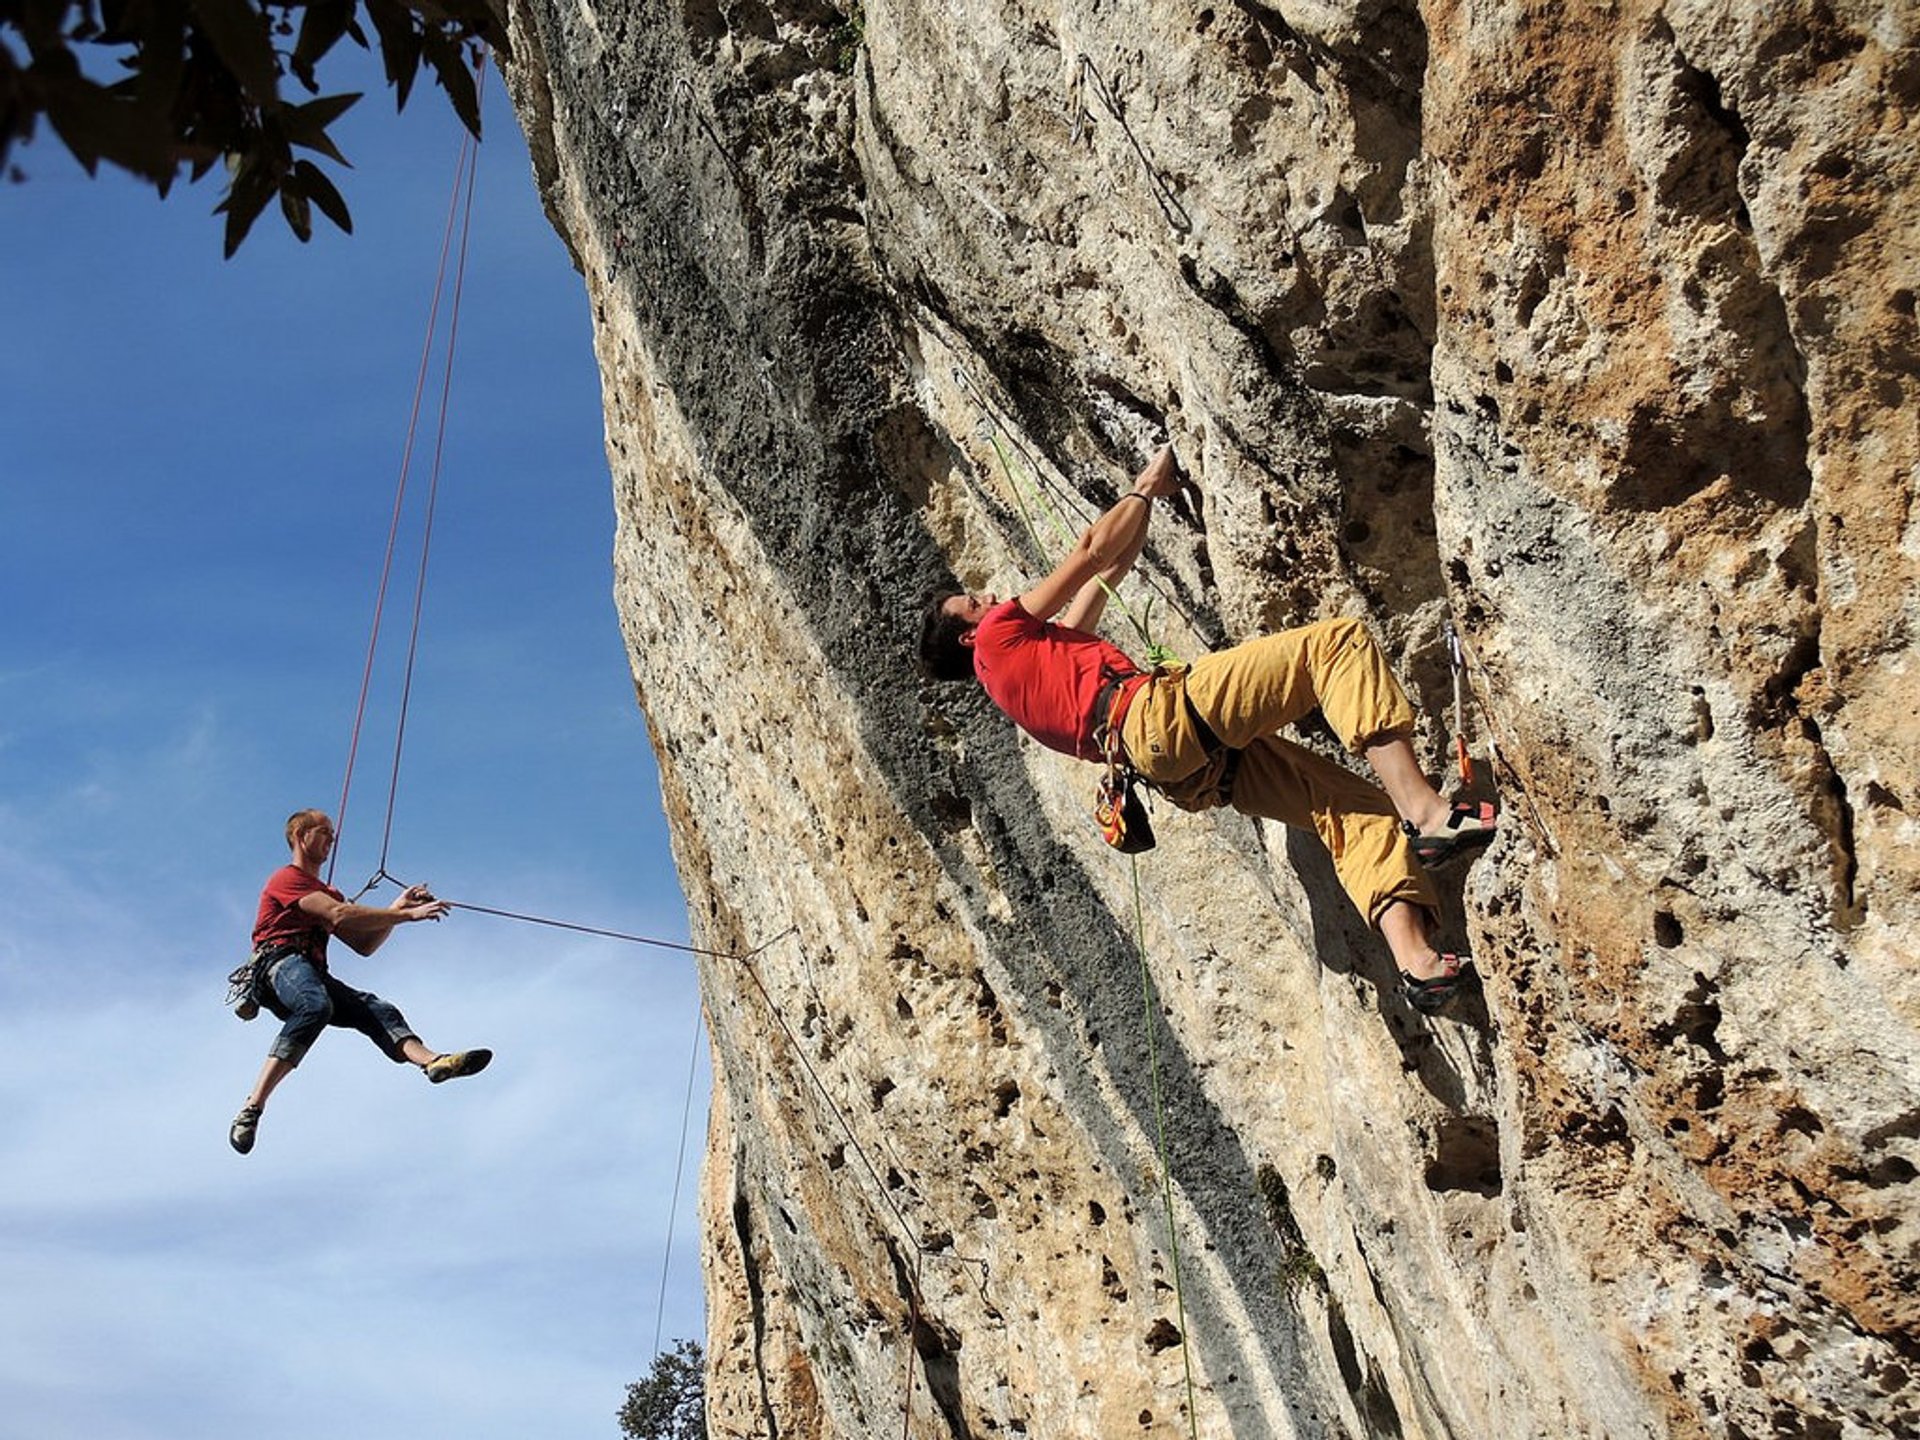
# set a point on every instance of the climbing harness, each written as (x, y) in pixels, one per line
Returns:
(1120, 811)
(243, 984)
(1118, 807)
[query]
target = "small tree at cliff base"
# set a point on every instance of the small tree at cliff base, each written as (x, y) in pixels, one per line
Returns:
(194, 83)
(671, 1403)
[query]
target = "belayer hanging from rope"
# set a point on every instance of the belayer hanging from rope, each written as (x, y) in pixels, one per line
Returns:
(288, 974)
(1203, 735)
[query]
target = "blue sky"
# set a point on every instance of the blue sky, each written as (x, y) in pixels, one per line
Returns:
(197, 466)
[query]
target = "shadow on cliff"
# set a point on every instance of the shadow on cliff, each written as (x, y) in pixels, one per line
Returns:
(1073, 968)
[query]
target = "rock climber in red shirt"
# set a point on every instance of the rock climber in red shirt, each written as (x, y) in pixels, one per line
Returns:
(1202, 734)
(298, 911)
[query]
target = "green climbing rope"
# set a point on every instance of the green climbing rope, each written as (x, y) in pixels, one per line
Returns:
(1160, 1136)
(1155, 652)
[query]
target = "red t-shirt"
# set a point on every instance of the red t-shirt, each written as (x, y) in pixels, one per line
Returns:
(1046, 677)
(282, 922)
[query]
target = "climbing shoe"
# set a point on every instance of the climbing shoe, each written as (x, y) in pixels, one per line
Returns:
(461, 1062)
(1468, 823)
(240, 1133)
(1430, 995)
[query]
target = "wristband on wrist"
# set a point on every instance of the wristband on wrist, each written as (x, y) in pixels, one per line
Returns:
(1146, 500)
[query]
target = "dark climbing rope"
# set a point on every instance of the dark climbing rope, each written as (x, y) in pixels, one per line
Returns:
(679, 1168)
(920, 1251)
(1170, 206)
(616, 934)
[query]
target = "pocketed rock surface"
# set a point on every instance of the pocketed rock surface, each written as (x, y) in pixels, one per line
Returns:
(1591, 329)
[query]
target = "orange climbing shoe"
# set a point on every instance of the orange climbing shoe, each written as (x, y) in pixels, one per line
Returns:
(461, 1062)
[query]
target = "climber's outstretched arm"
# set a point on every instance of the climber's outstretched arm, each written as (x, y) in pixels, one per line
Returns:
(1107, 551)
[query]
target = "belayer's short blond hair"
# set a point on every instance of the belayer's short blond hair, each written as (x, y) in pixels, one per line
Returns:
(302, 821)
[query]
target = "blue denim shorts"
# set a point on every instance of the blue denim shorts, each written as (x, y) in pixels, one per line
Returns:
(306, 999)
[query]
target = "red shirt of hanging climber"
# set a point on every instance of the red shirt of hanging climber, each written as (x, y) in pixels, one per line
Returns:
(283, 923)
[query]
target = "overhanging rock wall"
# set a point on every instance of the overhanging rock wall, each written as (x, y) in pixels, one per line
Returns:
(1589, 327)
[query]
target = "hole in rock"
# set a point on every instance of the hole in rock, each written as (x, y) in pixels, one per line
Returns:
(1466, 1156)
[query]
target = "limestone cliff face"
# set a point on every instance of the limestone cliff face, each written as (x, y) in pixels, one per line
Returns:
(1589, 327)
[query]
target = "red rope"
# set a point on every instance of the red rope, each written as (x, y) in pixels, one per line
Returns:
(463, 178)
(470, 157)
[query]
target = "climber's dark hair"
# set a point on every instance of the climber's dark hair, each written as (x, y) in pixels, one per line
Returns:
(941, 652)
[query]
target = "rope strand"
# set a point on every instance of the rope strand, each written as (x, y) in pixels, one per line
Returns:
(920, 1252)
(1160, 1127)
(470, 164)
(399, 504)
(994, 431)
(630, 939)
(1157, 653)
(679, 1168)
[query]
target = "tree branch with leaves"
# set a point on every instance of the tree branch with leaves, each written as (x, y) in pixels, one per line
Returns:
(162, 88)
(671, 1403)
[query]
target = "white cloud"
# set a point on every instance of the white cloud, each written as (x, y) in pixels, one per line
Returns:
(481, 1257)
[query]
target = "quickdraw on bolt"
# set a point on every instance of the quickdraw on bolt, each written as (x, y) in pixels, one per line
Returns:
(1457, 659)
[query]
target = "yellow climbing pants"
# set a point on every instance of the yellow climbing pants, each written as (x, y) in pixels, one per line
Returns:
(1243, 695)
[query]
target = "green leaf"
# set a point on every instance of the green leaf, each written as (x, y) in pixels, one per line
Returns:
(449, 61)
(399, 45)
(202, 157)
(321, 191)
(306, 125)
(95, 125)
(157, 71)
(320, 29)
(324, 111)
(241, 38)
(70, 126)
(247, 196)
(294, 206)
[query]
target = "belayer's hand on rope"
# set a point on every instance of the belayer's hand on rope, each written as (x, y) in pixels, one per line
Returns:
(417, 902)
